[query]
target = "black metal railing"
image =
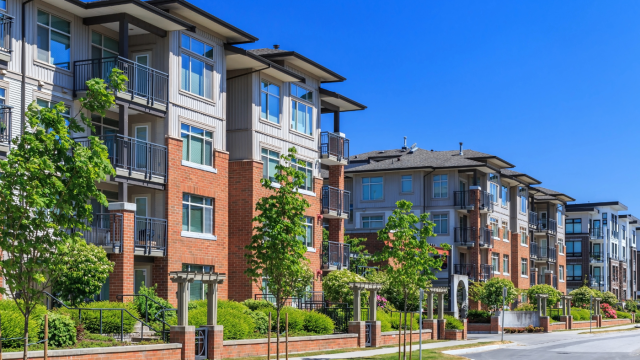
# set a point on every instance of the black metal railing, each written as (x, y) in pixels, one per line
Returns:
(335, 254)
(533, 220)
(334, 145)
(335, 200)
(150, 235)
(597, 281)
(485, 272)
(486, 201)
(461, 199)
(548, 225)
(548, 253)
(596, 233)
(554, 281)
(596, 256)
(144, 82)
(106, 230)
(465, 235)
(466, 269)
(342, 314)
(541, 279)
(485, 240)
(6, 25)
(5, 123)
(309, 300)
(533, 250)
(533, 276)
(135, 155)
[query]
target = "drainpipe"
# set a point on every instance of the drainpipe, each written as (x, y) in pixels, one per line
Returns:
(23, 68)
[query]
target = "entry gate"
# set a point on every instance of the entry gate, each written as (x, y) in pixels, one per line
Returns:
(201, 343)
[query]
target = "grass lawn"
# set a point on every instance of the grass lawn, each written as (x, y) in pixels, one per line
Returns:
(608, 331)
(436, 354)
(89, 341)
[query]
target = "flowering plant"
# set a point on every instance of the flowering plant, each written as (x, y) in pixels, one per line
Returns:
(381, 301)
(608, 311)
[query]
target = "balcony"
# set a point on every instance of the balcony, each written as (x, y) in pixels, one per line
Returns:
(554, 281)
(334, 149)
(596, 233)
(486, 240)
(547, 226)
(150, 236)
(106, 231)
(465, 236)
(485, 272)
(541, 279)
(615, 234)
(533, 276)
(461, 201)
(548, 254)
(469, 270)
(335, 256)
(5, 126)
(135, 159)
(533, 220)
(533, 250)
(147, 87)
(335, 203)
(6, 47)
(574, 278)
(597, 282)
(486, 202)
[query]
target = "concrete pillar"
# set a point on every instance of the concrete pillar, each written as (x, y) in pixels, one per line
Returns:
(122, 231)
(440, 306)
(373, 304)
(212, 303)
(356, 305)
(542, 304)
(430, 305)
(336, 180)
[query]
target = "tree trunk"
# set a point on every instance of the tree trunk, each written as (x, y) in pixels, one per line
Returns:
(278, 335)
(406, 295)
(26, 334)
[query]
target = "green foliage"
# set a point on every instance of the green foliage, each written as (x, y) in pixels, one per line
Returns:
(631, 306)
(356, 246)
(315, 322)
(385, 320)
(409, 250)
(110, 318)
(261, 321)
(475, 289)
(623, 315)
(13, 323)
(62, 330)
(526, 307)
(479, 316)
(453, 323)
(254, 305)
(48, 180)
(235, 317)
(491, 294)
(582, 297)
(144, 305)
(336, 287)
(296, 319)
(609, 298)
(580, 314)
(552, 300)
(398, 321)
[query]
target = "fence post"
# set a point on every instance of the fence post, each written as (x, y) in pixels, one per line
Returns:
(286, 336)
(122, 325)
(100, 321)
(268, 339)
(410, 335)
(399, 334)
(46, 336)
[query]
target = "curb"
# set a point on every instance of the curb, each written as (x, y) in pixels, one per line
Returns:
(477, 349)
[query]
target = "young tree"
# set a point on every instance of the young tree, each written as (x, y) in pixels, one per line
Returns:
(554, 295)
(47, 182)
(356, 246)
(276, 252)
(491, 293)
(407, 254)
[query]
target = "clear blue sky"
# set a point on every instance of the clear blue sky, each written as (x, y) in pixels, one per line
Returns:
(551, 86)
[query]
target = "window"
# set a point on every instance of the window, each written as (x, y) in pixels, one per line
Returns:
(505, 231)
(196, 75)
(524, 264)
(561, 246)
(3, 4)
(493, 187)
(494, 227)
(197, 145)
(197, 214)
(301, 113)
(523, 199)
(197, 290)
(561, 273)
(104, 125)
(307, 238)
(574, 226)
(442, 223)
(372, 222)
(102, 46)
(54, 40)
(559, 215)
(505, 195)
(270, 159)
(494, 263)
(407, 183)
(523, 236)
(440, 186)
(270, 102)
(372, 188)
(50, 104)
(574, 248)
(574, 272)
(505, 263)
(307, 168)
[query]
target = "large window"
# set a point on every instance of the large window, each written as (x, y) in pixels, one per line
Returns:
(494, 227)
(307, 238)
(505, 263)
(522, 192)
(104, 125)
(103, 46)
(574, 226)
(442, 223)
(505, 195)
(505, 231)
(407, 183)
(495, 262)
(197, 214)
(372, 222)
(54, 40)
(270, 159)
(440, 186)
(574, 272)
(559, 215)
(197, 145)
(524, 267)
(493, 187)
(270, 101)
(523, 236)
(307, 168)
(197, 290)
(372, 188)
(196, 75)
(301, 110)
(574, 248)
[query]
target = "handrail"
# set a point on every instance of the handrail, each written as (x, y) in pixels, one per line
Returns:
(334, 145)
(146, 307)
(6, 24)
(334, 199)
(150, 234)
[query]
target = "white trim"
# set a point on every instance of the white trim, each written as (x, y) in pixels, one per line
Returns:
(524, 276)
(122, 206)
(195, 235)
(505, 273)
(199, 167)
(305, 192)
(310, 249)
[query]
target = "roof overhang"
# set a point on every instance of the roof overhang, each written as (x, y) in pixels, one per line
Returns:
(582, 210)
(354, 169)
(136, 8)
(238, 59)
(307, 65)
(232, 34)
(332, 101)
(560, 196)
(615, 205)
(494, 159)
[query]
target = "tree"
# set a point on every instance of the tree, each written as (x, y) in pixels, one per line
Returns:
(47, 182)
(336, 287)
(276, 252)
(356, 247)
(554, 295)
(407, 255)
(581, 297)
(81, 270)
(491, 293)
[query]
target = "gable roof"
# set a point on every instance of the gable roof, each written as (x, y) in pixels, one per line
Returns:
(300, 61)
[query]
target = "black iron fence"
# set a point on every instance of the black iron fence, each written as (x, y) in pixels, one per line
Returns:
(533, 250)
(533, 220)
(548, 225)
(150, 235)
(533, 277)
(486, 240)
(144, 82)
(106, 230)
(310, 300)
(596, 233)
(335, 200)
(6, 25)
(466, 269)
(334, 145)
(335, 254)
(465, 235)
(5, 123)
(461, 199)
(342, 314)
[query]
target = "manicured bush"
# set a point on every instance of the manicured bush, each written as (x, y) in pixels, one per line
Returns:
(336, 287)
(13, 324)
(453, 323)
(609, 298)
(385, 321)
(110, 318)
(526, 307)
(260, 320)
(608, 312)
(479, 316)
(238, 324)
(395, 324)
(254, 305)
(582, 297)
(296, 319)
(318, 323)
(153, 305)
(623, 315)
(552, 300)
(62, 330)
(580, 314)
(631, 306)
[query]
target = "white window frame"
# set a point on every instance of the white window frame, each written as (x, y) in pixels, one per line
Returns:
(268, 94)
(440, 180)
(522, 194)
(187, 142)
(50, 29)
(307, 222)
(204, 206)
(438, 221)
(496, 257)
(368, 186)
(524, 237)
(561, 273)
(504, 195)
(308, 103)
(505, 269)
(368, 219)
(206, 62)
(505, 231)
(270, 155)
(403, 180)
(524, 266)
(494, 229)
(307, 169)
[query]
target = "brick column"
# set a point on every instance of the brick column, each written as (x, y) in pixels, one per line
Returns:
(568, 321)
(475, 222)
(121, 279)
(548, 278)
(358, 327)
(336, 180)
(376, 333)
(495, 325)
(441, 329)
(214, 341)
(185, 335)
(464, 332)
(545, 323)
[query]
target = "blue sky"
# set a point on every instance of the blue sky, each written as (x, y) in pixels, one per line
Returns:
(551, 86)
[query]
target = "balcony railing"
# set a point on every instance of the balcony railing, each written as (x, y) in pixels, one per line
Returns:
(6, 25)
(465, 236)
(615, 234)
(466, 269)
(335, 201)
(486, 240)
(596, 257)
(541, 279)
(596, 233)
(548, 225)
(310, 300)
(135, 155)
(335, 254)
(5, 123)
(555, 281)
(533, 250)
(597, 281)
(332, 145)
(461, 199)
(574, 254)
(485, 272)
(106, 230)
(144, 82)
(486, 201)
(533, 220)
(151, 235)
(533, 276)
(547, 253)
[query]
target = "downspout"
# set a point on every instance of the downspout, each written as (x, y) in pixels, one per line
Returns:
(424, 191)
(23, 70)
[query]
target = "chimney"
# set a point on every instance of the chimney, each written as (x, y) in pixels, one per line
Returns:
(461, 153)
(276, 46)
(404, 147)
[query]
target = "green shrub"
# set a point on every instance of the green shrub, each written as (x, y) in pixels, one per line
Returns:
(395, 317)
(479, 316)
(580, 314)
(623, 315)
(110, 318)
(13, 324)
(609, 298)
(198, 316)
(552, 300)
(526, 307)
(385, 321)
(453, 323)
(152, 307)
(237, 324)
(336, 287)
(631, 306)
(224, 304)
(318, 323)
(296, 319)
(260, 320)
(582, 297)
(62, 330)
(254, 305)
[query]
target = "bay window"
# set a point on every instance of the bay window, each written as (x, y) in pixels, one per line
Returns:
(196, 74)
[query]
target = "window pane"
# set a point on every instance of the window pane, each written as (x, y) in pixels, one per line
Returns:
(43, 17)
(263, 105)
(197, 47)
(274, 89)
(366, 192)
(309, 121)
(208, 221)
(208, 52)
(197, 199)
(208, 153)
(96, 38)
(294, 115)
(43, 44)
(301, 117)
(376, 191)
(197, 77)
(272, 168)
(196, 214)
(184, 73)
(195, 291)
(197, 148)
(186, 41)
(111, 44)
(208, 81)
(185, 146)
(185, 217)
(96, 52)
(265, 167)
(274, 109)
(60, 25)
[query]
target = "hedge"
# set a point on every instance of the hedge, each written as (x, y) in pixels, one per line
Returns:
(479, 316)
(623, 315)
(580, 314)
(13, 323)
(110, 318)
(453, 323)
(62, 330)
(318, 323)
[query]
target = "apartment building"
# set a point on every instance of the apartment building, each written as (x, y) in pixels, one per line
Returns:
(497, 222)
(601, 248)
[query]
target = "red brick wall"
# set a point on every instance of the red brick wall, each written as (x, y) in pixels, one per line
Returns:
(121, 279)
(518, 252)
(614, 322)
(336, 180)
(296, 345)
(183, 250)
(453, 334)
(391, 338)
(562, 260)
(475, 327)
(501, 247)
(168, 354)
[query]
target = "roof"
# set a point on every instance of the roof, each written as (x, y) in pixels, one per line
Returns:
(332, 101)
(580, 209)
(520, 176)
(548, 194)
(238, 59)
(302, 62)
(617, 205)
